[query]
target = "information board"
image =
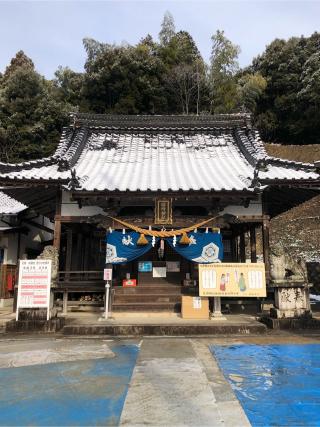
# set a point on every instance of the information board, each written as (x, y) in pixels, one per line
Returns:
(34, 284)
(232, 280)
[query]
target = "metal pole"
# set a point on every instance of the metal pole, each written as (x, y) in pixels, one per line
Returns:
(107, 286)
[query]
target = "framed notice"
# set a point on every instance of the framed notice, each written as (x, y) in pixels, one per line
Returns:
(173, 266)
(34, 285)
(232, 280)
(159, 272)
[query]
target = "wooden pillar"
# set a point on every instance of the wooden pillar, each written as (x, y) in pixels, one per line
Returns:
(242, 247)
(79, 254)
(65, 303)
(253, 243)
(266, 244)
(69, 252)
(57, 222)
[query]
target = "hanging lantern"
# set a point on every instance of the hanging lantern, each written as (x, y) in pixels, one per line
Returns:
(184, 239)
(142, 240)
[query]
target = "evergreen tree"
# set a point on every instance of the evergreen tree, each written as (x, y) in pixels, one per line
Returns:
(167, 29)
(30, 116)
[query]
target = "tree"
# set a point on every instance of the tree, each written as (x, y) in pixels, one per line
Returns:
(31, 117)
(287, 111)
(223, 68)
(167, 29)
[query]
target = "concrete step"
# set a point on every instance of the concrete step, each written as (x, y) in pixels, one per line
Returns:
(155, 289)
(203, 329)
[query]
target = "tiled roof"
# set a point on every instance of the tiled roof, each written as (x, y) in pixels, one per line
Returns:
(161, 153)
(10, 206)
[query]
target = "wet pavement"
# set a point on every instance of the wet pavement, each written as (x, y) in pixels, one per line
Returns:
(272, 379)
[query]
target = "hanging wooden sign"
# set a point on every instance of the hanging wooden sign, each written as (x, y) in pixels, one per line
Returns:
(163, 211)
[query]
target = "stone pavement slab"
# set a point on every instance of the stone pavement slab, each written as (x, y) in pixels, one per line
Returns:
(172, 385)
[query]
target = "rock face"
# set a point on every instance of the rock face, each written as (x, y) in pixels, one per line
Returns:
(52, 253)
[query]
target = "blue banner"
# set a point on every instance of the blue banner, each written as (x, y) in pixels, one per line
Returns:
(122, 248)
(203, 248)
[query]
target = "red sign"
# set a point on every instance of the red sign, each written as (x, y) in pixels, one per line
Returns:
(129, 282)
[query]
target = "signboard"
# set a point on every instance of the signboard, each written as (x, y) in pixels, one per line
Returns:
(34, 285)
(173, 266)
(159, 272)
(163, 211)
(232, 280)
(107, 274)
(145, 266)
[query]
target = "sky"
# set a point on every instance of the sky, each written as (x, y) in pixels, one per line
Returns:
(51, 32)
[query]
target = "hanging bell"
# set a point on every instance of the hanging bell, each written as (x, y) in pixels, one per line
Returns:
(184, 239)
(142, 240)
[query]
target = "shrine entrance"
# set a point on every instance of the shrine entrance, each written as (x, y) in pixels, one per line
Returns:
(159, 279)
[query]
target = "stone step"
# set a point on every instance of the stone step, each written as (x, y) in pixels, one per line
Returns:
(204, 329)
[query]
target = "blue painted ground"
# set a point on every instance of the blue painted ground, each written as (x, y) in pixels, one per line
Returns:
(277, 385)
(81, 393)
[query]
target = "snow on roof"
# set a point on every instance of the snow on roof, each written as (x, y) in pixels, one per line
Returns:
(160, 153)
(10, 206)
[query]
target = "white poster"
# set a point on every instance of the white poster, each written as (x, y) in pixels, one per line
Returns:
(34, 284)
(159, 272)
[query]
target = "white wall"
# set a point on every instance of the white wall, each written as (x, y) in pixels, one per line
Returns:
(32, 240)
(71, 208)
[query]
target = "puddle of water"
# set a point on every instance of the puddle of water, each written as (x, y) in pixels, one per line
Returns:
(277, 385)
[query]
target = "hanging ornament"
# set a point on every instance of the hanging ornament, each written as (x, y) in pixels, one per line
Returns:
(142, 240)
(153, 241)
(174, 240)
(184, 239)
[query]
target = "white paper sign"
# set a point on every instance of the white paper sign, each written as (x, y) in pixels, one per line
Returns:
(34, 284)
(159, 272)
(196, 302)
(107, 274)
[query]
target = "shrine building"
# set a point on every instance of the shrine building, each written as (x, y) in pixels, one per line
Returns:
(154, 197)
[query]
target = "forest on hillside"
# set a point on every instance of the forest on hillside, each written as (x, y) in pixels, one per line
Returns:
(281, 88)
